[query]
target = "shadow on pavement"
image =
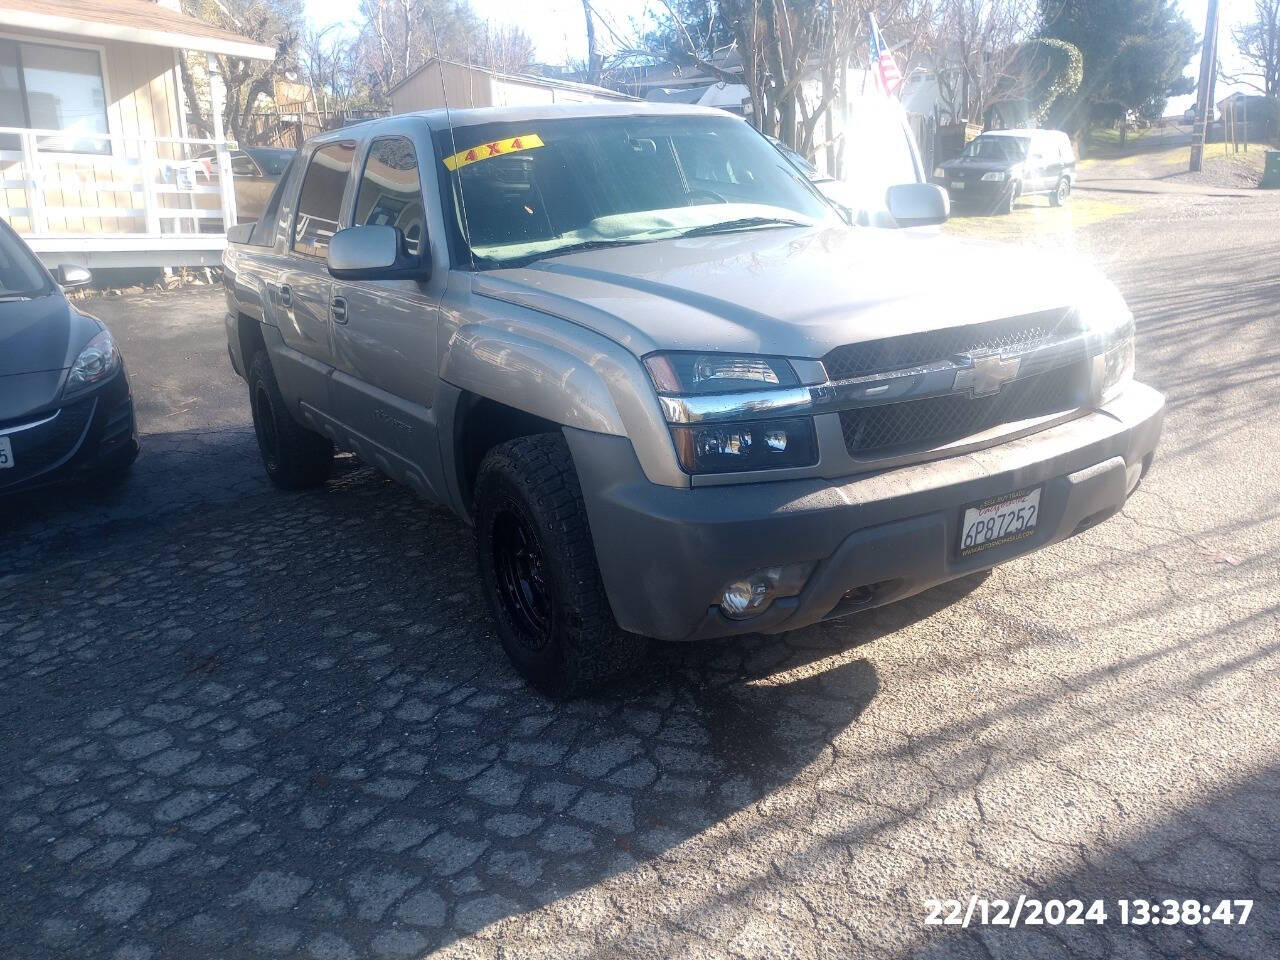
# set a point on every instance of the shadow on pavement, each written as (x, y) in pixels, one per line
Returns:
(288, 723)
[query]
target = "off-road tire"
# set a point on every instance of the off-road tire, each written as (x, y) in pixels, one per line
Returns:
(1061, 193)
(529, 484)
(294, 457)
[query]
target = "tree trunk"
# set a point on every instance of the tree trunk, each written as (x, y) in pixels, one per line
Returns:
(199, 120)
(595, 62)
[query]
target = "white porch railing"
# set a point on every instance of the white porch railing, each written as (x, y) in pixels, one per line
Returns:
(157, 188)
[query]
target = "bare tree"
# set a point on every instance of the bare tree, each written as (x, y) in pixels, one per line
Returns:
(507, 49)
(398, 36)
(976, 54)
(274, 22)
(1258, 41)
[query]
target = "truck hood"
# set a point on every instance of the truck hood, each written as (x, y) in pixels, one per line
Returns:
(796, 292)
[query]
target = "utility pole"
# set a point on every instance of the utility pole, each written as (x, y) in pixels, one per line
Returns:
(1204, 98)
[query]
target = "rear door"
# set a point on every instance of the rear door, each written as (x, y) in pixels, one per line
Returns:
(384, 331)
(304, 289)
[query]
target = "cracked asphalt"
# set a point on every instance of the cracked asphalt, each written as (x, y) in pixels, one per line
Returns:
(241, 723)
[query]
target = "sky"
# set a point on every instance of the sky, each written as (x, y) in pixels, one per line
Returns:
(557, 29)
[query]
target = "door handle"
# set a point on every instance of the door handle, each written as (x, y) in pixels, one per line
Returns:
(339, 309)
(286, 295)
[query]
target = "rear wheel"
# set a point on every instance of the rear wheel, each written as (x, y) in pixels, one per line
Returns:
(1061, 193)
(538, 569)
(294, 457)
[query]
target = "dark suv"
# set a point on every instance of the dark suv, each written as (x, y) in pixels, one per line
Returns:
(1000, 166)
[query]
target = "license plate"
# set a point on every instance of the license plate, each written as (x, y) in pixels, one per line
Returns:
(6, 453)
(957, 185)
(1000, 520)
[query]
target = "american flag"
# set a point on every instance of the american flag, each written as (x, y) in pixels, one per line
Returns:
(888, 79)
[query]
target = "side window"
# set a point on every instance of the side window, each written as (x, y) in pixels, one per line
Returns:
(390, 193)
(264, 231)
(320, 198)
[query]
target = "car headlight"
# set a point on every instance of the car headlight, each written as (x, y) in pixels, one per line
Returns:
(1108, 326)
(939, 173)
(742, 440)
(995, 176)
(97, 361)
(695, 374)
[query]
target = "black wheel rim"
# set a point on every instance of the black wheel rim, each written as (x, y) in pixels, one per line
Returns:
(520, 572)
(264, 425)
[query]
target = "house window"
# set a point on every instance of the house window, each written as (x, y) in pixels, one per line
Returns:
(53, 88)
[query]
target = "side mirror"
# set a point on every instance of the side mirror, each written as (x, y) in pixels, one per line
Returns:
(69, 276)
(241, 232)
(918, 204)
(375, 252)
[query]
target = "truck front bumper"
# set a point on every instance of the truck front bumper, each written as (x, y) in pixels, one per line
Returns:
(666, 555)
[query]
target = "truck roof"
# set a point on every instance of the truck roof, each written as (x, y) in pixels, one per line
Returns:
(440, 119)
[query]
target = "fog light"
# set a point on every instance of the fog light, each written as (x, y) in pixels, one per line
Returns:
(752, 595)
(738, 447)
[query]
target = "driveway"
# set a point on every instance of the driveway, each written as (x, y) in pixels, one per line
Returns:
(241, 723)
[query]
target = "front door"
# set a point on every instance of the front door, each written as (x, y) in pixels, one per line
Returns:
(384, 331)
(304, 288)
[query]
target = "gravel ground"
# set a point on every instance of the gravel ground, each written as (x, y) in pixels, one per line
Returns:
(240, 723)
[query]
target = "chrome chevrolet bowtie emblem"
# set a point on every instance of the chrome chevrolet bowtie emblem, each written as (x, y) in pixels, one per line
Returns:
(983, 376)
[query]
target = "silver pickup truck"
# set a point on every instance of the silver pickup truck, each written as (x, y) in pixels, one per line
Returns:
(673, 391)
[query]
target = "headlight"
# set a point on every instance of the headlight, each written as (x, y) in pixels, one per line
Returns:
(99, 360)
(738, 441)
(702, 373)
(995, 176)
(1108, 326)
(939, 173)
(737, 447)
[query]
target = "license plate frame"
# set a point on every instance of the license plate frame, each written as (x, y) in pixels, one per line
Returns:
(996, 509)
(6, 454)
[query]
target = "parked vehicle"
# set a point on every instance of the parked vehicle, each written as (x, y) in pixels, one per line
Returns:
(997, 168)
(65, 407)
(255, 172)
(673, 392)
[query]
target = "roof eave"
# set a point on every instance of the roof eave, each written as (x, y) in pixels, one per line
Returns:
(52, 23)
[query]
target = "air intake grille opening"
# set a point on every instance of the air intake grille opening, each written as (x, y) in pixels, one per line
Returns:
(898, 427)
(915, 349)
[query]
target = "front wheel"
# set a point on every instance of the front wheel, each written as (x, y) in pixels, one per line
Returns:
(294, 457)
(1006, 202)
(538, 569)
(1061, 193)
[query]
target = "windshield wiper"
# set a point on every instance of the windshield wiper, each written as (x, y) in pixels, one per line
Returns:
(567, 248)
(742, 223)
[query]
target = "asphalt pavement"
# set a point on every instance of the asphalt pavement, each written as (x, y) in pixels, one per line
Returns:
(236, 722)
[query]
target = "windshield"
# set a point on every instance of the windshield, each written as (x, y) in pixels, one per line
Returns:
(272, 161)
(539, 187)
(20, 273)
(997, 148)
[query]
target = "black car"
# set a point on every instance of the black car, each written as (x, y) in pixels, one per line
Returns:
(65, 407)
(1000, 166)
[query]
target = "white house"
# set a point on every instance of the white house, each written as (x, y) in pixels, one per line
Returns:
(94, 154)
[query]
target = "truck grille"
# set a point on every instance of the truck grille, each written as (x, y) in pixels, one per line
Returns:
(915, 349)
(931, 421)
(38, 449)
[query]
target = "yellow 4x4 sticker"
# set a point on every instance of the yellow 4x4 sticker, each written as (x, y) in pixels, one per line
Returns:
(495, 148)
